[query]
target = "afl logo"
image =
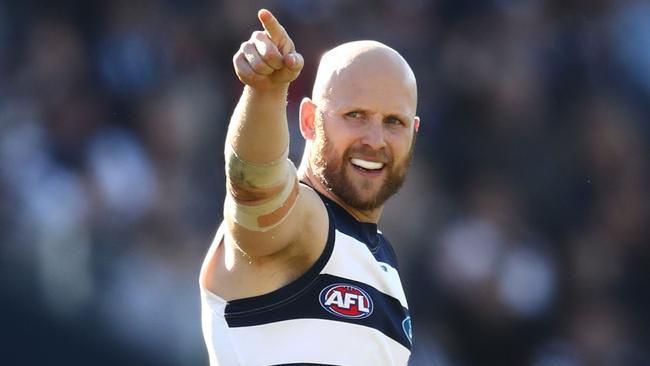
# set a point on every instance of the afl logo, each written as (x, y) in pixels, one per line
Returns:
(346, 301)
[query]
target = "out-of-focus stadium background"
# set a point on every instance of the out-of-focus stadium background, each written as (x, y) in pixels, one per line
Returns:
(522, 231)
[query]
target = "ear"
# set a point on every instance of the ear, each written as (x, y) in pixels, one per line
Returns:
(416, 123)
(307, 119)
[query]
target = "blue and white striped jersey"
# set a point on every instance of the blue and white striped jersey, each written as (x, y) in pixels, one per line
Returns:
(348, 309)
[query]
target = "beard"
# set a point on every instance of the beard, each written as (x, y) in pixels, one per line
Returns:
(332, 171)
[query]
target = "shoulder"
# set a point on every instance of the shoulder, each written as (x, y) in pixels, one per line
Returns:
(313, 220)
(232, 273)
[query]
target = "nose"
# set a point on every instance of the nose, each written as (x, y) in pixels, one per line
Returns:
(374, 136)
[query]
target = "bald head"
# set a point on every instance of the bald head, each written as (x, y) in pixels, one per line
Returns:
(361, 62)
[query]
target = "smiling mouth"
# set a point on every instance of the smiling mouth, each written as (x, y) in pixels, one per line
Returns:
(366, 165)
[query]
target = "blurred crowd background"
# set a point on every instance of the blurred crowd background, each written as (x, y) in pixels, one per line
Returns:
(522, 231)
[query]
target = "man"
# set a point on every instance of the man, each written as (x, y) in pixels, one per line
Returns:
(298, 272)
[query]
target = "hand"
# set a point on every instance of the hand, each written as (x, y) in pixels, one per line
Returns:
(268, 60)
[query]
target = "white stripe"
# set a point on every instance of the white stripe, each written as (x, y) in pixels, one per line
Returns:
(352, 259)
(215, 330)
(213, 323)
(316, 341)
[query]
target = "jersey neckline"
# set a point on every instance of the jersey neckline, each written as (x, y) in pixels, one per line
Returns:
(367, 232)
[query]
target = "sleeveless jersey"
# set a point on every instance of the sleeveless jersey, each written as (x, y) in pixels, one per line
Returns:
(348, 309)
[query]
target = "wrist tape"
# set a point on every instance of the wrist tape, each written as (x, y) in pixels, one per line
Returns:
(259, 196)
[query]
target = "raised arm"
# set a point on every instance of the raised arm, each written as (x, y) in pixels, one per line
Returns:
(266, 64)
(262, 187)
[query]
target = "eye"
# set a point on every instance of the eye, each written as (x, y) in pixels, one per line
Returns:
(354, 114)
(394, 121)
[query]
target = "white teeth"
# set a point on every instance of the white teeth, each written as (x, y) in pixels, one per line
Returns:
(365, 164)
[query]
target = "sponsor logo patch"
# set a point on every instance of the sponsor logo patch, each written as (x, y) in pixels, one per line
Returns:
(346, 301)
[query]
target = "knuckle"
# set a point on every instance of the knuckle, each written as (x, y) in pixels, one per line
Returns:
(247, 46)
(241, 66)
(255, 64)
(241, 57)
(259, 67)
(262, 47)
(270, 56)
(236, 59)
(241, 74)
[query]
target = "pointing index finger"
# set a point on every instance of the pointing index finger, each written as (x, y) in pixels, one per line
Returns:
(272, 26)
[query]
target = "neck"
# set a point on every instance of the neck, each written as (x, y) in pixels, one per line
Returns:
(306, 174)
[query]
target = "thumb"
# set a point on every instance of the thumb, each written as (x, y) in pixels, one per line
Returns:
(294, 61)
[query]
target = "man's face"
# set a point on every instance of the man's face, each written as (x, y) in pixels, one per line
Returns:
(357, 186)
(365, 134)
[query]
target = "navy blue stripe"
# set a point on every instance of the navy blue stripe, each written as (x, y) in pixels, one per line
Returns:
(365, 232)
(385, 253)
(304, 364)
(387, 314)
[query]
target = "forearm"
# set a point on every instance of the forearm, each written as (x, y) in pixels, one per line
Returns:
(258, 131)
(261, 181)
(262, 185)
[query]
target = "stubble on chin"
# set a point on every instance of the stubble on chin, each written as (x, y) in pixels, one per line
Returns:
(331, 171)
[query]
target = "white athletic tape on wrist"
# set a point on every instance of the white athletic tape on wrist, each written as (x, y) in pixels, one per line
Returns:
(255, 175)
(277, 178)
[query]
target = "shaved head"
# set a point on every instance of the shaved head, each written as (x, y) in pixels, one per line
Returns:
(361, 59)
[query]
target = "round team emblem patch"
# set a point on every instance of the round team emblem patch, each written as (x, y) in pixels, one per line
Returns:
(346, 301)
